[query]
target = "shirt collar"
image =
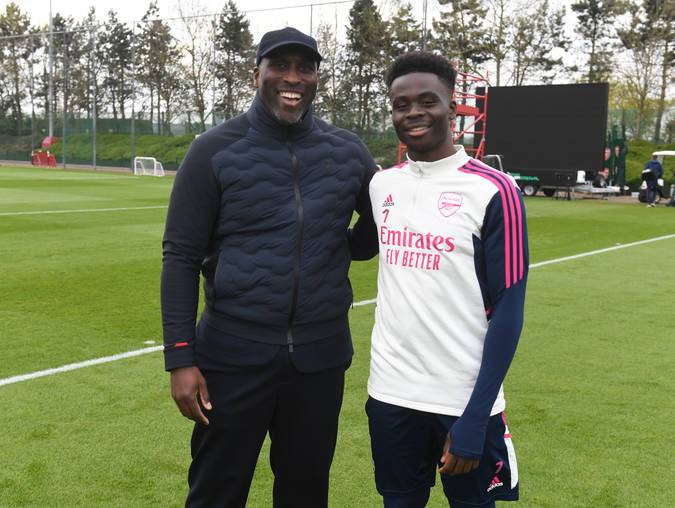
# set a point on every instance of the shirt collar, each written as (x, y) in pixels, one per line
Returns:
(454, 161)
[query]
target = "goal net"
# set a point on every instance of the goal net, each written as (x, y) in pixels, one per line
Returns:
(148, 166)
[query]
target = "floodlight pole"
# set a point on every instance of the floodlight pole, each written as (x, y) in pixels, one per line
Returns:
(65, 97)
(213, 78)
(32, 92)
(50, 100)
(424, 25)
(133, 96)
(93, 94)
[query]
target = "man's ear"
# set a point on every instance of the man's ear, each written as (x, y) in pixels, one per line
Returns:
(452, 109)
(256, 76)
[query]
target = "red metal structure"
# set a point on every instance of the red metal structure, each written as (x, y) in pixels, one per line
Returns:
(42, 156)
(470, 104)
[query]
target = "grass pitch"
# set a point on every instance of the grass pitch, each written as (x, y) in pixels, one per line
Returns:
(590, 393)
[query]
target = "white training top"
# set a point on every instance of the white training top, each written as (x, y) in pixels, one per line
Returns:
(432, 313)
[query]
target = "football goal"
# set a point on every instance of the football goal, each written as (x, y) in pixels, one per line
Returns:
(148, 166)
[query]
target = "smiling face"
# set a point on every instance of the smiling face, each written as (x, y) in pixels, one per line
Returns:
(287, 80)
(421, 111)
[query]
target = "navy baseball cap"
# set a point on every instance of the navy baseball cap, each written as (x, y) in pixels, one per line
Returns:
(285, 37)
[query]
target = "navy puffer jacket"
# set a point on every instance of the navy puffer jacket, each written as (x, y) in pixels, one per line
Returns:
(263, 210)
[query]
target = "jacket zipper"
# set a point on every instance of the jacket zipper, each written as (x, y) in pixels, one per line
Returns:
(298, 246)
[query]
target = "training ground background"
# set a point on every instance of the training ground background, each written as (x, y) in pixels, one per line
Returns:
(591, 392)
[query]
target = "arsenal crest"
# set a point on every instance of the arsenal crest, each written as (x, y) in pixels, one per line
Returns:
(449, 203)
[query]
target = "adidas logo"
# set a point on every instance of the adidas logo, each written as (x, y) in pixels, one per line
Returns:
(389, 201)
(496, 482)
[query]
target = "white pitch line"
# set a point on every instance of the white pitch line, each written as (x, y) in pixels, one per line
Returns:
(78, 365)
(83, 210)
(364, 302)
(601, 251)
(138, 352)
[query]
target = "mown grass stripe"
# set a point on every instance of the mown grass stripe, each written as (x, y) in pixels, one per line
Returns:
(83, 210)
(138, 352)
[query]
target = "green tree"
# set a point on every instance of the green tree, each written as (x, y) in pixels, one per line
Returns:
(235, 58)
(331, 99)
(536, 35)
(595, 24)
(199, 68)
(14, 51)
(660, 23)
(460, 33)
(405, 33)
(367, 39)
(32, 62)
(115, 50)
(642, 46)
(75, 65)
(158, 67)
(66, 50)
(88, 91)
(498, 36)
(146, 60)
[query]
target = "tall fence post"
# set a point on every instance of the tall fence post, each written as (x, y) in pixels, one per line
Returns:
(93, 101)
(133, 96)
(31, 89)
(213, 81)
(66, 65)
(50, 99)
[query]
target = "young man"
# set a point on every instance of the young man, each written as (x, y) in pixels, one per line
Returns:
(261, 206)
(451, 289)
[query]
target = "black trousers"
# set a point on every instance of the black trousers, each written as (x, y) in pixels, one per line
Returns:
(299, 410)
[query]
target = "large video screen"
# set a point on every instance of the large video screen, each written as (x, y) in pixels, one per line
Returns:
(560, 127)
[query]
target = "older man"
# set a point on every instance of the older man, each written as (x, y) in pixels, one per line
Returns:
(261, 206)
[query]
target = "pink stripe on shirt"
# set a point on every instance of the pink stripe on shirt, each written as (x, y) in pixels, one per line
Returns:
(513, 227)
(519, 229)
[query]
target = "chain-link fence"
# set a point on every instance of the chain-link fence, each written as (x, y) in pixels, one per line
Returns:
(109, 91)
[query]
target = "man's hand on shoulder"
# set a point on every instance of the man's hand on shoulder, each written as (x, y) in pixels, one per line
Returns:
(188, 383)
(454, 465)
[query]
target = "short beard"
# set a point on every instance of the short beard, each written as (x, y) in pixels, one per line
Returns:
(285, 122)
